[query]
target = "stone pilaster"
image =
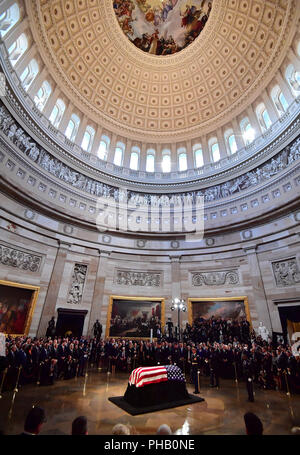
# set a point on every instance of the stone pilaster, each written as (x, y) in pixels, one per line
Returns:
(56, 279)
(97, 301)
(175, 288)
(258, 304)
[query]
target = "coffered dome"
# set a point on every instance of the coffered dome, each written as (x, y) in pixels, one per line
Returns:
(161, 98)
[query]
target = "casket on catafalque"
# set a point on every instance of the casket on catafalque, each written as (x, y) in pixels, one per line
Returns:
(154, 388)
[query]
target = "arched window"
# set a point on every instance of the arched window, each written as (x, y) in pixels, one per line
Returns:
(57, 112)
(293, 78)
(279, 100)
(134, 158)
(182, 159)
(103, 147)
(17, 49)
(198, 155)
(247, 131)
(8, 19)
(88, 138)
(215, 152)
(72, 127)
(232, 144)
(214, 149)
(230, 141)
(150, 160)
(119, 154)
(42, 95)
(29, 74)
(166, 160)
(263, 117)
(266, 118)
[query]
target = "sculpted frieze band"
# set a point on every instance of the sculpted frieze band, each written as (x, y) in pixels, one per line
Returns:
(14, 257)
(49, 163)
(135, 278)
(215, 278)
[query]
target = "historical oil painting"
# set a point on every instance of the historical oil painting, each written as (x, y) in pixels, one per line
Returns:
(162, 27)
(16, 307)
(134, 317)
(231, 308)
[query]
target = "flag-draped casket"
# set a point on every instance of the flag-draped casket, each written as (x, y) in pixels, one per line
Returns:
(155, 385)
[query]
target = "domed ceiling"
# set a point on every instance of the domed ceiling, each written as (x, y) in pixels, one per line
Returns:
(162, 27)
(162, 98)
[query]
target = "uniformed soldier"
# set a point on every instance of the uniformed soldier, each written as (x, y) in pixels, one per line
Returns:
(248, 372)
(214, 367)
(195, 367)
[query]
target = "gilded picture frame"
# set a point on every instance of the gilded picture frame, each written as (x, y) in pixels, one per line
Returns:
(112, 298)
(31, 306)
(213, 300)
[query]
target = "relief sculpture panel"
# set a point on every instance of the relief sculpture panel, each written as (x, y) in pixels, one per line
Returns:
(286, 272)
(215, 278)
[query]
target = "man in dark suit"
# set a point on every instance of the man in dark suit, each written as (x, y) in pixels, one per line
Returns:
(170, 329)
(182, 356)
(175, 353)
(61, 356)
(34, 421)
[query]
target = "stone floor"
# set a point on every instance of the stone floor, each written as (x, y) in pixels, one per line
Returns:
(220, 414)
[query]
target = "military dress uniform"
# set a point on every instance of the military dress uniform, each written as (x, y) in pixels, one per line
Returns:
(195, 368)
(214, 368)
(248, 371)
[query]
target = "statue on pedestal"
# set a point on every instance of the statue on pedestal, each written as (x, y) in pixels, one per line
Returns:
(263, 332)
(97, 327)
(51, 328)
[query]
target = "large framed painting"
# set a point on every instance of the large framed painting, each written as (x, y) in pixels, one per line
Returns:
(17, 303)
(134, 317)
(221, 307)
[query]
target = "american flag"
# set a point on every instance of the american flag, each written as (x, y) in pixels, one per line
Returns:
(151, 375)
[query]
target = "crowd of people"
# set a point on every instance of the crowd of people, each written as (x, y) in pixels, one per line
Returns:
(218, 348)
(135, 327)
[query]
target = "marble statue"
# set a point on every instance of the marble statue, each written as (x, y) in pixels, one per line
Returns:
(263, 332)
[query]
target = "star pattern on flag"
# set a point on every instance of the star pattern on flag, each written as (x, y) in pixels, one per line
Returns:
(174, 373)
(151, 375)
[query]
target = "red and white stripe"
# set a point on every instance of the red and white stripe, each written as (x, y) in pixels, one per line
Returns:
(148, 375)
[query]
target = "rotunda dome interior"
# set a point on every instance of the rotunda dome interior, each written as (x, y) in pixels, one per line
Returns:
(192, 110)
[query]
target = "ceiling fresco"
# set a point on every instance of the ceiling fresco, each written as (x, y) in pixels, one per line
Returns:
(162, 27)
